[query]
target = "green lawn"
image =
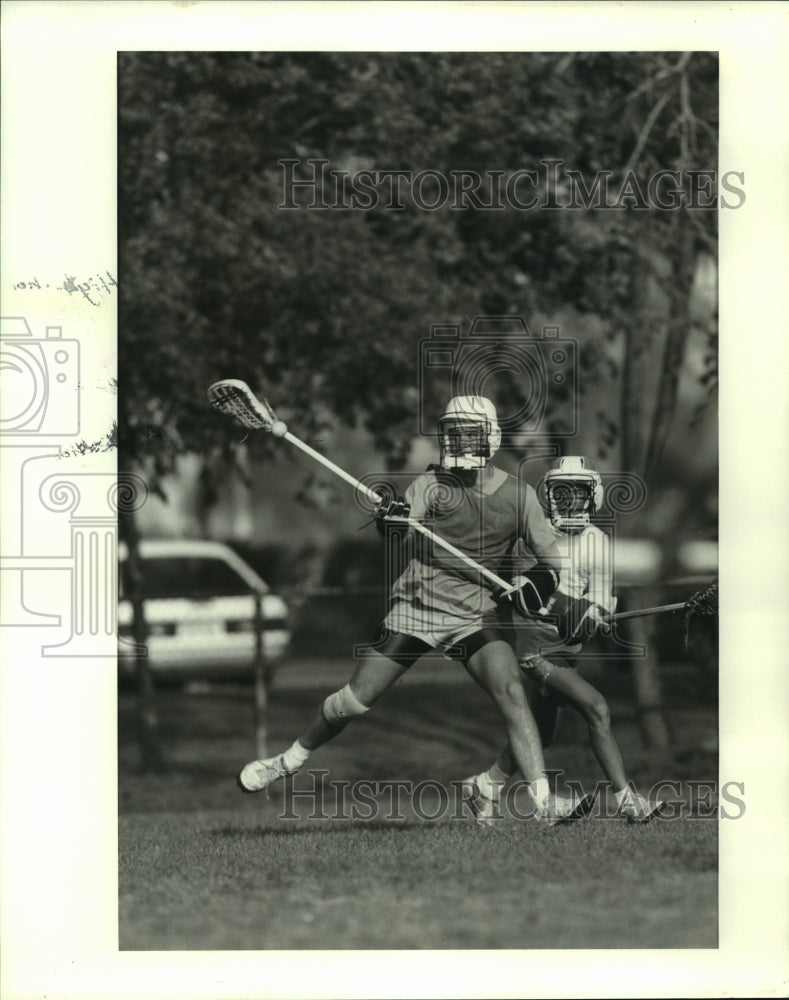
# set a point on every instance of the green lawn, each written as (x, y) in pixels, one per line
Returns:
(216, 882)
(204, 867)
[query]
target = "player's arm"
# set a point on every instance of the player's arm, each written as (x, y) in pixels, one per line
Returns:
(536, 585)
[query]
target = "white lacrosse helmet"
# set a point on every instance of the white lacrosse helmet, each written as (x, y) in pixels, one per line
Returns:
(468, 433)
(573, 492)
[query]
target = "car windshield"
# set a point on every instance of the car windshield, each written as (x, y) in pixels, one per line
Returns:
(193, 577)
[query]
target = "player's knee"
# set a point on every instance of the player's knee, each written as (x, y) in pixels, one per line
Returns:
(510, 695)
(342, 706)
(598, 713)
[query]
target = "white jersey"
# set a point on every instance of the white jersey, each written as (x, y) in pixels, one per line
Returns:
(587, 566)
(587, 570)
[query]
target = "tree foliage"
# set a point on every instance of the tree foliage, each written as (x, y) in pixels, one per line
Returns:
(324, 308)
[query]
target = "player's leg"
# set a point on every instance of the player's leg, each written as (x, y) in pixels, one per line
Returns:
(491, 662)
(545, 709)
(526, 640)
(579, 694)
(587, 700)
(483, 791)
(494, 667)
(374, 674)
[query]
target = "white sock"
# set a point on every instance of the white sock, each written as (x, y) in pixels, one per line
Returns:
(490, 782)
(540, 790)
(496, 774)
(622, 795)
(295, 756)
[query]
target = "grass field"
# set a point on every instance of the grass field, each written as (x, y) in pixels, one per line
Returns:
(204, 867)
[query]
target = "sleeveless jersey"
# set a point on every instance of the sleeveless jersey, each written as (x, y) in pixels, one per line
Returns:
(485, 521)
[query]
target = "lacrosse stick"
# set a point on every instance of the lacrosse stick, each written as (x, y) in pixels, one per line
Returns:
(234, 398)
(703, 602)
(661, 609)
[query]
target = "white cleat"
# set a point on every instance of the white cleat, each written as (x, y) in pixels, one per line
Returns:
(259, 774)
(482, 807)
(637, 809)
(556, 810)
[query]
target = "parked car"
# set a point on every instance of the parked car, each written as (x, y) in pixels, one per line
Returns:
(200, 610)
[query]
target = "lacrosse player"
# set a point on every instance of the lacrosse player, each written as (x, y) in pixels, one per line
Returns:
(438, 603)
(548, 650)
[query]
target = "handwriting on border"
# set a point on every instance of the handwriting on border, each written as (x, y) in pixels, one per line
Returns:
(94, 289)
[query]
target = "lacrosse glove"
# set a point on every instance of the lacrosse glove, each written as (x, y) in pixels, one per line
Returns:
(577, 618)
(390, 514)
(534, 588)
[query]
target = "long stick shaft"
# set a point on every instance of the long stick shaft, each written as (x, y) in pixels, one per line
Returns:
(372, 495)
(641, 612)
(472, 563)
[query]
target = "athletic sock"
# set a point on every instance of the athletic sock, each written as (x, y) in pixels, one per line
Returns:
(540, 790)
(622, 796)
(496, 774)
(490, 782)
(295, 756)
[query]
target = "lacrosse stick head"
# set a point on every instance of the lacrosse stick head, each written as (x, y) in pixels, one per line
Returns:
(234, 398)
(703, 602)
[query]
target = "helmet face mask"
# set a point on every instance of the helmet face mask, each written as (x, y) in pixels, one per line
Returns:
(468, 433)
(574, 492)
(464, 444)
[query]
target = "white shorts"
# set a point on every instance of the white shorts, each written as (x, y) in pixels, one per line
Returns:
(438, 633)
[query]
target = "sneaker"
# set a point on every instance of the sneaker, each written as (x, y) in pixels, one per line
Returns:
(556, 810)
(637, 809)
(482, 807)
(259, 774)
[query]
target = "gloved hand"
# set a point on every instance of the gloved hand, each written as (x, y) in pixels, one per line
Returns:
(391, 510)
(577, 618)
(534, 587)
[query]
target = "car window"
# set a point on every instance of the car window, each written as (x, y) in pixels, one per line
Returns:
(197, 577)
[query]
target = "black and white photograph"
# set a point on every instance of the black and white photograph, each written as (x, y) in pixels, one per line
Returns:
(390, 523)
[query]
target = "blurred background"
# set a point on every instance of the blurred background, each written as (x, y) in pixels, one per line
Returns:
(325, 309)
